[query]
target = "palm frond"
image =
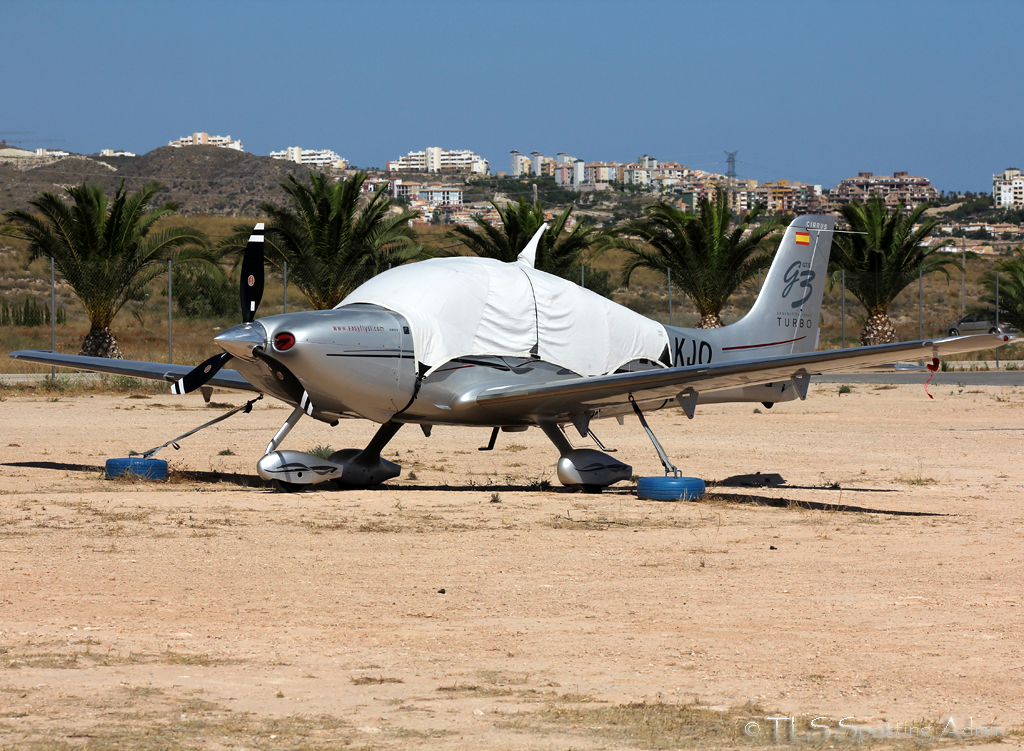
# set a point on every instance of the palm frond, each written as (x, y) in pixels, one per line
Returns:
(708, 255)
(103, 247)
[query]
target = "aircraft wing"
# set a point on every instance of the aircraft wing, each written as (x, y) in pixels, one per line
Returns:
(560, 400)
(157, 371)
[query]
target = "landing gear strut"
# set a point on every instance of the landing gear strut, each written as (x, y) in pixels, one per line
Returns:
(673, 486)
(670, 468)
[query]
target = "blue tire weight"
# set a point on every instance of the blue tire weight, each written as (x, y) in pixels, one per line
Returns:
(146, 469)
(669, 488)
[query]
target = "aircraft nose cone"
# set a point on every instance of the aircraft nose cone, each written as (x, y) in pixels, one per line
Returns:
(240, 340)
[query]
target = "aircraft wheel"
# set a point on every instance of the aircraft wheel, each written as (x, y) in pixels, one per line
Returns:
(146, 469)
(287, 487)
(592, 489)
(669, 488)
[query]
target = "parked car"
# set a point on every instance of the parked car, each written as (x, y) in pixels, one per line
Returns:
(978, 323)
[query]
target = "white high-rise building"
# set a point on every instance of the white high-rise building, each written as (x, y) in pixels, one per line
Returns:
(579, 172)
(432, 156)
(536, 163)
(520, 165)
(1008, 189)
(313, 157)
(205, 139)
(436, 159)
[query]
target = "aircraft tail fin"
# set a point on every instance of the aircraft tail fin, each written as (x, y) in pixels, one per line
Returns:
(786, 316)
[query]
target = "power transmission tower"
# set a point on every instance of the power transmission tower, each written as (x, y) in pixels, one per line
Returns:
(730, 159)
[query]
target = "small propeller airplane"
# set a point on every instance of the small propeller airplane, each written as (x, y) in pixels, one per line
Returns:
(477, 342)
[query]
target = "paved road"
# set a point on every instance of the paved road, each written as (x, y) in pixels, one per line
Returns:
(978, 378)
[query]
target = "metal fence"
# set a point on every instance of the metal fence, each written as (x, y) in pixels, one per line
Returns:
(172, 319)
(176, 316)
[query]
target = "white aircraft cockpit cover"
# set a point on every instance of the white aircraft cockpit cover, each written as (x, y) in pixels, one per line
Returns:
(479, 306)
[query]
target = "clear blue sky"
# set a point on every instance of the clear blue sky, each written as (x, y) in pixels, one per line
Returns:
(811, 91)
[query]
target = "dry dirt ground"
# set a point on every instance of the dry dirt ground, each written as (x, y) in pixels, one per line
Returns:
(471, 605)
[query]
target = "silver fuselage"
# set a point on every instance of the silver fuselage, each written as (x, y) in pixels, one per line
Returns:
(359, 362)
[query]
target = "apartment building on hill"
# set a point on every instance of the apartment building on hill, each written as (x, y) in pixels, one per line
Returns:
(903, 187)
(436, 159)
(542, 166)
(205, 139)
(520, 164)
(312, 157)
(1008, 189)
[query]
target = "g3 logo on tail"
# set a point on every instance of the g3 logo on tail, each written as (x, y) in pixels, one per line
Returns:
(793, 275)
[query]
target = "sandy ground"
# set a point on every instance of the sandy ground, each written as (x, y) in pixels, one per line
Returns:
(470, 605)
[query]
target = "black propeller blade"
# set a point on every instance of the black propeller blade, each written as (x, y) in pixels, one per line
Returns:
(252, 275)
(200, 374)
(291, 385)
(251, 292)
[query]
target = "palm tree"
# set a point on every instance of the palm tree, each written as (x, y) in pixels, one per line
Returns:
(334, 236)
(709, 257)
(1011, 290)
(104, 249)
(520, 221)
(882, 254)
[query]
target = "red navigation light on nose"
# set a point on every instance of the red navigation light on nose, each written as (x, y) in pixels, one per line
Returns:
(284, 341)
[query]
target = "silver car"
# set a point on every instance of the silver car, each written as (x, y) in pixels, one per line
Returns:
(978, 323)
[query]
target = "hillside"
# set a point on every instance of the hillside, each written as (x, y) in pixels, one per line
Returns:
(202, 179)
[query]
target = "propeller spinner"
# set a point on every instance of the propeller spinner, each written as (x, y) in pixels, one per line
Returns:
(251, 293)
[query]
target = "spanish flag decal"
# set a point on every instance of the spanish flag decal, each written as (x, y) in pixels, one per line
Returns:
(803, 238)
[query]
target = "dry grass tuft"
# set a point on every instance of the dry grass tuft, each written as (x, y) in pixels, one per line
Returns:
(655, 725)
(917, 478)
(471, 689)
(369, 680)
(145, 719)
(170, 657)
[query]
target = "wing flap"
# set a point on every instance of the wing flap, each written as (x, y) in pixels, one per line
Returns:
(559, 399)
(157, 371)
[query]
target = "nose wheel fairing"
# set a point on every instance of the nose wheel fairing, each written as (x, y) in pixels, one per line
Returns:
(587, 468)
(348, 468)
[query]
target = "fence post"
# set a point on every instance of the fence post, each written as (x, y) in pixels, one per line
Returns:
(170, 317)
(286, 286)
(844, 307)
(53, 316)
(963, 277)
(997, 317)
(920, 303)
(583, 275)
(669, 297)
